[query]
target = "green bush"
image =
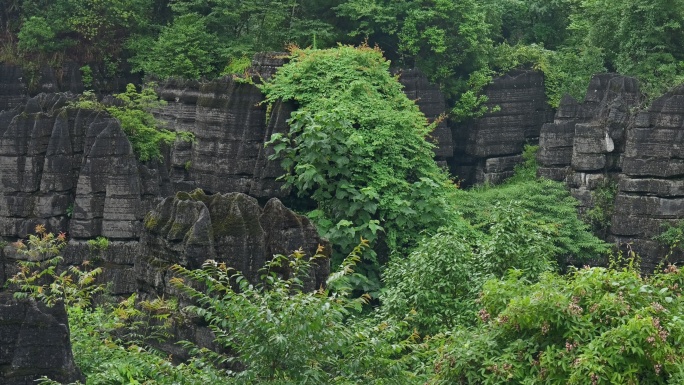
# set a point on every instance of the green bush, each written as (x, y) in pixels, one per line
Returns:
(145, 132)
(527, 223)
(40, 277)
(357, 146)
(595, 325)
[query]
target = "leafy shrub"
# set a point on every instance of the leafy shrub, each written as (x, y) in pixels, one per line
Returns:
(595, 325)
(357, 147)
(603, 199)
(133, 112)
(540, 201)
(185, 48)
(527, 223)
(39, 276)
(671, 236)
(280, 333)
(106, 359)
(283, 335)
(442, 278)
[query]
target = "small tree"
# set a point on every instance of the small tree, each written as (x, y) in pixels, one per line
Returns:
(39, 276)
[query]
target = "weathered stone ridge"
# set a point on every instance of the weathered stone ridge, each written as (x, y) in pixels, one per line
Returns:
(610, 140)
(34, 342)
(231, 125)
(589, 136)
(72, 170)
(583, 147)
(487, 149)
(187, 229)
(651, 186)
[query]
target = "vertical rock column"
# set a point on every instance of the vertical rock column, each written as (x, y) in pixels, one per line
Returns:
(488, 148)
(34, 342)
(651, 188)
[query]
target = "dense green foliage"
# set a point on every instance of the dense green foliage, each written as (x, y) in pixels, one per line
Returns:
(595, 325)
(460, 44)
(471, 289)
(133, 110)
(525, 224)
(602, 325)
(357, 146)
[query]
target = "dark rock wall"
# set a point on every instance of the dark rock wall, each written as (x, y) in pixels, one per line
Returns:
(34, 342)
(583, 147)
(612, 138)
(230, 125)
(487, 149)
(651, 186)
(431, 102)
(231, 228)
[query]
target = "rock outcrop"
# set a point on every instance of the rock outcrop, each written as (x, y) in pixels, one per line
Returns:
(432, 103)
(610, 142)
(230, 125)
(187, 229)
(74, 171)
(583, 147)
(651, 186)
(487, 149)
(34, 342)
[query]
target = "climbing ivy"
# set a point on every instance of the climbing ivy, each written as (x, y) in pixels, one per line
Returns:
(357, 146)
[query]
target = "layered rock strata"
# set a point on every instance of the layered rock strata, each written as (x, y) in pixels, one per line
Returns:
(432, 103)
(187, 229)
(651, 186)
(487, 149)
(583, 147)
(232, 228)
(34, 342)
(231, 125)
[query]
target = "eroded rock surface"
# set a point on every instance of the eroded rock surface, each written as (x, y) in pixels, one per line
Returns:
(488, 148)
(187, 229)
(651, 186)
(431, 102)
(230, 125)
(34, 342)
(584, 145)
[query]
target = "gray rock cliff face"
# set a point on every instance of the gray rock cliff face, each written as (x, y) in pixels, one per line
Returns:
(230, 126)
(34, 342)
(584, 145)
(610, 139)
(71, 170)
(431, 102)
(488, 148)
(230, 228)
(651, 186)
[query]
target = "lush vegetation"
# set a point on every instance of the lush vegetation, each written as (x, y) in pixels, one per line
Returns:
(593, 325)
(460, 44)
(357, 147)
(447, 286)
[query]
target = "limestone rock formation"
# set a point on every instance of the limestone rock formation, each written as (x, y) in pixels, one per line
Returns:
(230, 126)
(432, 103)
(232, 228)
(651, 187)
(583, 147)
(34, 342)
(488, 148)
(74, 171)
